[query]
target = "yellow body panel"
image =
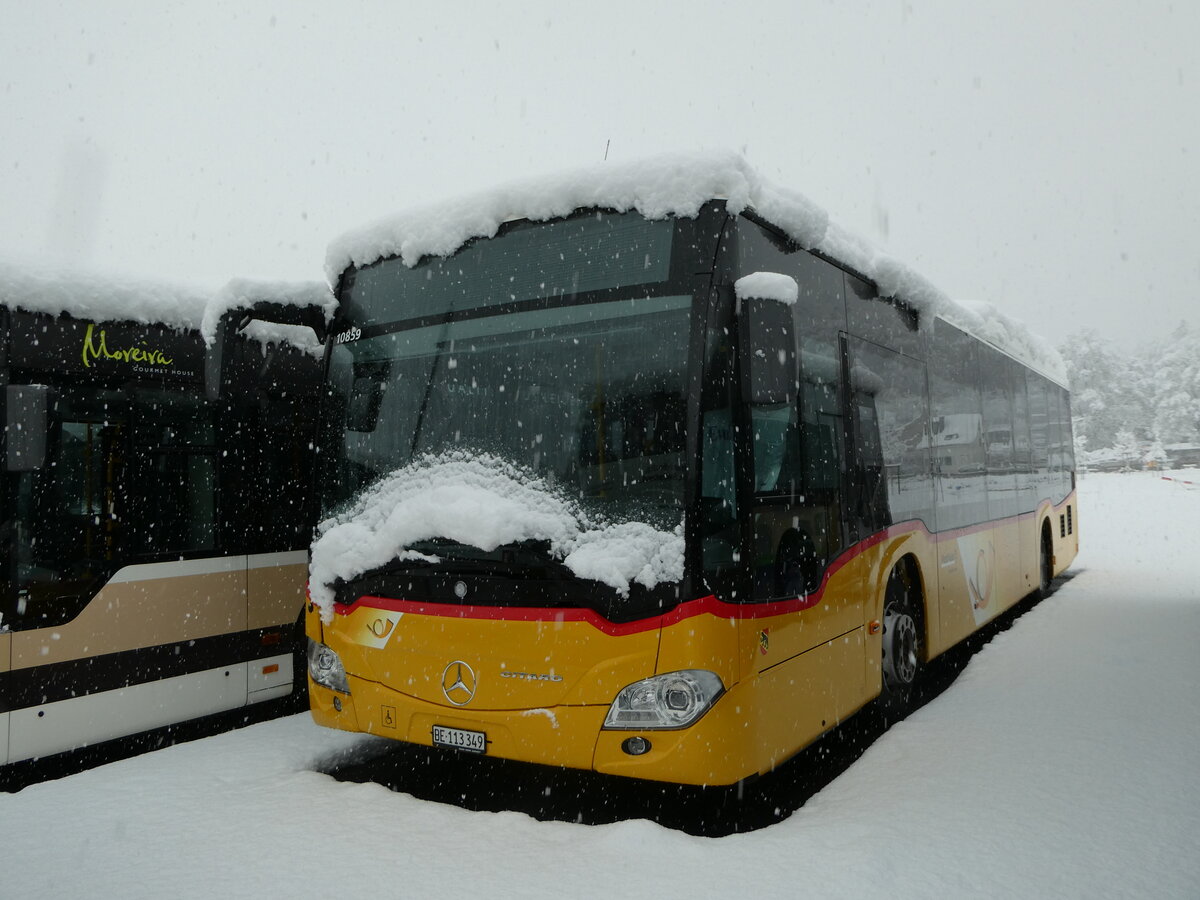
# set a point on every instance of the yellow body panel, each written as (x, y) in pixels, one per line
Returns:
(985, 571)
(544, 679)
(518, 664)
(274, 594)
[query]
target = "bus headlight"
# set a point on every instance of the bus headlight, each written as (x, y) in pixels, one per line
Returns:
(326, 667)
(674, 700)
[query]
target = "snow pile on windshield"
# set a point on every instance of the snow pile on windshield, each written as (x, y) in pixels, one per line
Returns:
(101, 297)
(672, 185)
(483, 501)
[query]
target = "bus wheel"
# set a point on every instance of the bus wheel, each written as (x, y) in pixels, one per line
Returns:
(1045, 562)
(901, 642)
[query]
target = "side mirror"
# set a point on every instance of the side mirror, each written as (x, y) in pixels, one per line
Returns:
(768, 339)
(286, 314)
(27, 426)
(221, 361)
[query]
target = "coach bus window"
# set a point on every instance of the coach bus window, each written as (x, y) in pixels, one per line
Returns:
(1022, 449)
(1068, 440)
(1063, 449)
(956, 429)
(891, 414)
(69, 515)
(997, 433)
(1039, 432)
(881, 320)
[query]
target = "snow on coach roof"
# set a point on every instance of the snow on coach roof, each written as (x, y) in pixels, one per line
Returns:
(110, 298)
(101, 298)
(678, 185)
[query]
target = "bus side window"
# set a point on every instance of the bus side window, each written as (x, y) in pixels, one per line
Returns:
(891, 470)
(798, 454)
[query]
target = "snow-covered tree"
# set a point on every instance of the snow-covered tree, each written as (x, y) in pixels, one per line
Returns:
(1110, 392)
(1128, 447)
(1176, 368)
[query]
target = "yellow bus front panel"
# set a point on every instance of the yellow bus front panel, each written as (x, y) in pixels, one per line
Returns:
(519, 658)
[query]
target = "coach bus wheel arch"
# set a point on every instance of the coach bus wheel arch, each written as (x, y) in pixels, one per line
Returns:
(1045, 560)
(903, 638)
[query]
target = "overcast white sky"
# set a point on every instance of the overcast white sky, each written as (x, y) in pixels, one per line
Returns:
(1038, 155)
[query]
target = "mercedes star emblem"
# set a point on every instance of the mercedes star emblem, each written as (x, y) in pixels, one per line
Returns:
(458, 683)
(460, 589)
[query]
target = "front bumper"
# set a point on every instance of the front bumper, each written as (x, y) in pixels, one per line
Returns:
(706, 753)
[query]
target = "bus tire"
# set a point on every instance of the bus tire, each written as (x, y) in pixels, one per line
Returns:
(902, 641)
(1045, 562)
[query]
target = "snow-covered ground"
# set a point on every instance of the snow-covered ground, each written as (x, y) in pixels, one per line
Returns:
(1063, 762)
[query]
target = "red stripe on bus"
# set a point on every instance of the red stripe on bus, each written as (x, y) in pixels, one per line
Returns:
(709, 605)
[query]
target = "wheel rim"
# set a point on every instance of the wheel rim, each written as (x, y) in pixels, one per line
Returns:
(899, 646)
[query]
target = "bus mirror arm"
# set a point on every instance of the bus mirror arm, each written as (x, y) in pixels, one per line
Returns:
(218, 360)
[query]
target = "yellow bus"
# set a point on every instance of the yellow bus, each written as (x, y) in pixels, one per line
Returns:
(656, 472)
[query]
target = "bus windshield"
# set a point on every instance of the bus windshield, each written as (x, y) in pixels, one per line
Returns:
(575, 372)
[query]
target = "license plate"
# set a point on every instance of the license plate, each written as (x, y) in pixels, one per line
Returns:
(460, 739)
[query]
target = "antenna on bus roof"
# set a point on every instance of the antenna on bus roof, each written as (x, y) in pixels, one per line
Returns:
(606, 143)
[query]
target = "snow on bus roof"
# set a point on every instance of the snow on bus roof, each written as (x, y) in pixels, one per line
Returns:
(105, 297)
(101, 297)
(675, 185)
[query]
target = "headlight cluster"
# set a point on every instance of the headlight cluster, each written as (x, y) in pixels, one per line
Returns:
(674, 700)
(326, 667)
